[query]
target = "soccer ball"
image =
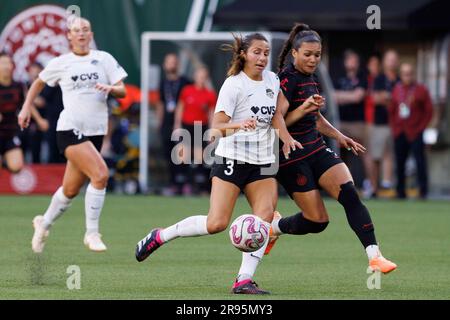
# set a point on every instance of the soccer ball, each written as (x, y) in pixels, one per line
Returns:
(248, 233)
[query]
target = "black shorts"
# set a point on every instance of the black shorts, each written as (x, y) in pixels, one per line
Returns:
(240, 173)
(303, 175)
(9, 144)
(68, 138)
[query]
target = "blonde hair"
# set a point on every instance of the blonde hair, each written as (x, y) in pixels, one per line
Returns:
(74, 21)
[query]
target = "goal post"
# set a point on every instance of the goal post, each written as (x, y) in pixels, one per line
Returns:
(193, 48)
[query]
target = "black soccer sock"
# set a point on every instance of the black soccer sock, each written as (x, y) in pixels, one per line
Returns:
(358, 216)
(298, 224)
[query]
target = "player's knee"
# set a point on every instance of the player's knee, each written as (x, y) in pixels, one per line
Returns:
(71, 192)
(300, 225)
(318, 227)
(216, 225)
(348, 196)
(266, 213)
(100, 178)
(316, 215)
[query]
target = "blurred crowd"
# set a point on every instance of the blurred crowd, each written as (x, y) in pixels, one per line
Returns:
(381, 105)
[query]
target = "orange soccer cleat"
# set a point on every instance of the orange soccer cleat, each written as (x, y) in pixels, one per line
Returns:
(382, 264)
(272, 238)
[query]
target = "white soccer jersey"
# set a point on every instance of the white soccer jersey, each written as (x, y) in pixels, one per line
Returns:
(242, 98)
(85, 108)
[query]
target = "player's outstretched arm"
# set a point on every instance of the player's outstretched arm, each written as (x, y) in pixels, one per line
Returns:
(25, 114)
(327, 129)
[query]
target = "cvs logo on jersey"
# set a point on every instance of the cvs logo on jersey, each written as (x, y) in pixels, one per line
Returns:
(270, 110)
(89, 76)
(86, 76)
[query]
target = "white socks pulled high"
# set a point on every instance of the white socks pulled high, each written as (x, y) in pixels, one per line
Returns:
(58, 205)
(93, 201)
(250, 260)
(190, 227)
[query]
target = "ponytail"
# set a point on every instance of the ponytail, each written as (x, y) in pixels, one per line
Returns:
(299, 33)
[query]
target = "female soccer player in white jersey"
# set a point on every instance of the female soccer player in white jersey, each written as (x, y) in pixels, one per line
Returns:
(245, 107)
(86, 77)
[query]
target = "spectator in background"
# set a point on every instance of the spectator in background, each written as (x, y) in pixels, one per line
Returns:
(380, 142)
(196, 108)
(373, 71)
(12, 95)
(350, 93)
(33, 136)
(370, 186)
(170, 88)
(410, 113)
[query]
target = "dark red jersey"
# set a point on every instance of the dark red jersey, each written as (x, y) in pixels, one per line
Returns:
(11, 100)
(297, 87)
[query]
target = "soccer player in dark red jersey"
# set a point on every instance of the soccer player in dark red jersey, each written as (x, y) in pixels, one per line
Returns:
(11, 99)
(304, 170)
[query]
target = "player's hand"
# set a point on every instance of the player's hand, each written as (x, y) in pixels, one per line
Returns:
(290, 144)
(249, 124)
(351, 145)
(24, 118)
(105, 88)
(43, 125)
(319, 100)
(312, 104)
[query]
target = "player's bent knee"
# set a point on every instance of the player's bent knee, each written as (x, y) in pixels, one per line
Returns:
(299, 225)
(348, 196)
(70, 192)
(317, 216)
(318, 227)
(100, 179)
(216, 226)
(265, 214)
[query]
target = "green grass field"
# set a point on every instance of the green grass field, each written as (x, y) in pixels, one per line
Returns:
(330, 265)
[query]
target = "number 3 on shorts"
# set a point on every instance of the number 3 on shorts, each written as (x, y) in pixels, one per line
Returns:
(229, 170)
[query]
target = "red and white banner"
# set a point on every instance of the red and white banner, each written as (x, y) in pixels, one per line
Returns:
(32, 179)
(36, 34)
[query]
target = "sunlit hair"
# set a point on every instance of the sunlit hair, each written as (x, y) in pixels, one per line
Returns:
(73, 22)
(238, 48)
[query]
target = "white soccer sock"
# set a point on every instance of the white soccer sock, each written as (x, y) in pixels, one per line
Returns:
(57, 206)
(373, 251)
(250, 260)
(190, 227)
(93, 204)
(276, 228)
